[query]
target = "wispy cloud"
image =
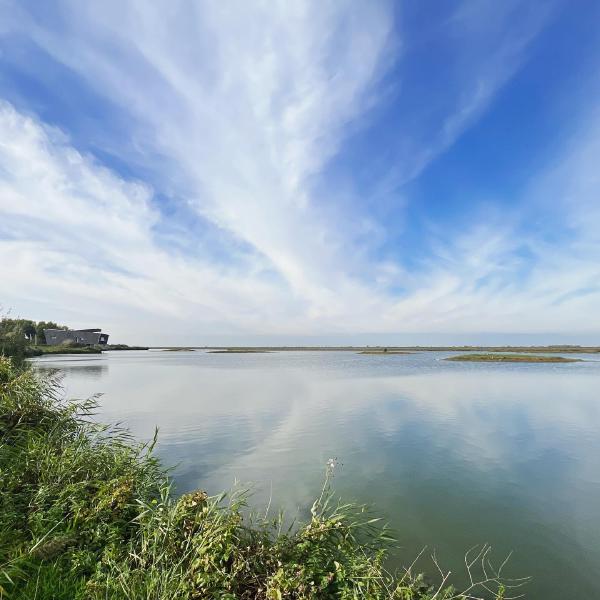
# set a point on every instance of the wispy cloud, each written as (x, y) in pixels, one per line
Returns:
(78, 237)
(233, 115)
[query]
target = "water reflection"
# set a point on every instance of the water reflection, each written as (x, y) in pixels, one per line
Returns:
(453, 454)
(89, 372)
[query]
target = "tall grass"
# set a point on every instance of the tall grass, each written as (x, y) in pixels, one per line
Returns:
(87, 513)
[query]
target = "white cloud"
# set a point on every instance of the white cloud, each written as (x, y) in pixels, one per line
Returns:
(79, 236)
(248, 103)
(237, 109)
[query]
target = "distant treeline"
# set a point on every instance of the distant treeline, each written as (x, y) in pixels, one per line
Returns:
(20, 337)
(26, 329)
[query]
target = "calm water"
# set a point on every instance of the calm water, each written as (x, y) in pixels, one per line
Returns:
(452, 454)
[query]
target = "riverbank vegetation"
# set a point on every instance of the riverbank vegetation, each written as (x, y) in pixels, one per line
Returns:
(31, 351)
(529, 358)
(87, 513)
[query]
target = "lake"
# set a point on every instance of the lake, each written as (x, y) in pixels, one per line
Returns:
(451, 454)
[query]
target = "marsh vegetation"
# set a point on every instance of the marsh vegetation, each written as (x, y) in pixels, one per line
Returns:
(521, 358)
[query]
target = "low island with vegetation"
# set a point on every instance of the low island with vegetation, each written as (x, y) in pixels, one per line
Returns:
(528, 358)
(178, 349)
(240, 351)
(88, 513)
(385, 351)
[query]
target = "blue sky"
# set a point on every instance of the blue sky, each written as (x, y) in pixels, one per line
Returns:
(303, 172)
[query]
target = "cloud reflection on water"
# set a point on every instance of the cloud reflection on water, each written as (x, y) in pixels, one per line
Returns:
(452, 454)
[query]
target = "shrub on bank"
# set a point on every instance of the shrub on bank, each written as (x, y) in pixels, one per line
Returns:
(86, 512)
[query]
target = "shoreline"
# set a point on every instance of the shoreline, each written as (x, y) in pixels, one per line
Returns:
(555, 349)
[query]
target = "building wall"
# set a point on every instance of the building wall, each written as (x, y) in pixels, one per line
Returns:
(54, 337)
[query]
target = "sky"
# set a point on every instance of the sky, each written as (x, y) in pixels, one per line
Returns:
(302, 172)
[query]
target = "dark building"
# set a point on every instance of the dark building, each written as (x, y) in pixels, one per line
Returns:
(87, 337)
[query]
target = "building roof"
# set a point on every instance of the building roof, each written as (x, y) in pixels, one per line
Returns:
(94, 330)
